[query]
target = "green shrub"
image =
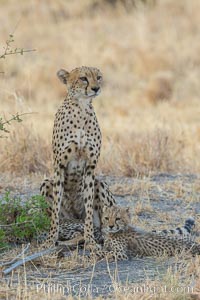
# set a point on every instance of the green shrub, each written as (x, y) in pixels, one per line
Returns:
(22, 220)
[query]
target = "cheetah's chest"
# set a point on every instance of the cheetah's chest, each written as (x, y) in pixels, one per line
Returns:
(78, 128)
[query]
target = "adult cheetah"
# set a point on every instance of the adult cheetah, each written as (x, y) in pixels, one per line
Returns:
(76, 149)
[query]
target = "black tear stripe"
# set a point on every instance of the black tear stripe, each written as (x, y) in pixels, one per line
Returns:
(92, 75)
(86, 93)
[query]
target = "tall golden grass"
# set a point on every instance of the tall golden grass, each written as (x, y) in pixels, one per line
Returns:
(149, 106)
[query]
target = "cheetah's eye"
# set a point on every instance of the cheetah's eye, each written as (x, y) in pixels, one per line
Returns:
(117, 219)
(106, 218)
(83, 79)
(99, 77)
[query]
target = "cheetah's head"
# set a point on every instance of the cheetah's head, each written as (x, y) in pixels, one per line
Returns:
(82, 83)
(115, 218)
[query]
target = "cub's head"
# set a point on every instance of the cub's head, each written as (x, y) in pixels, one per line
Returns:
(82, 83)
(115, 218)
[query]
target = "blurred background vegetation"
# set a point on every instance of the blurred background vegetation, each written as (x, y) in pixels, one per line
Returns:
(149, 107)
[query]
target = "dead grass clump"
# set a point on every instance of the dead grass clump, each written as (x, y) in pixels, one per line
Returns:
(25, 153)
(159, 87)
(142, 208)
(157, 151)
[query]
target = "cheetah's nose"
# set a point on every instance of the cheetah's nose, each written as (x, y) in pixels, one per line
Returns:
(95, 89)
(111, 226)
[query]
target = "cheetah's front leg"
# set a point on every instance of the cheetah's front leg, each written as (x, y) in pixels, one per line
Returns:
(60, 173)
(88, 201)
(89, 153)
(58, 190)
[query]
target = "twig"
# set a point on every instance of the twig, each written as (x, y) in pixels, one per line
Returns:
(8, 50)
(27, 259)
(20, 51)
(33, 256)
(14, 224)
(14, 259)
(16, 117)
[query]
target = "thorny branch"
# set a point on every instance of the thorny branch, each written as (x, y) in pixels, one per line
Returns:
(8, 50)
(16, 117)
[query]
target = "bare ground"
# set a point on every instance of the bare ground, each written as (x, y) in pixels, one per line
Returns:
(159, 201)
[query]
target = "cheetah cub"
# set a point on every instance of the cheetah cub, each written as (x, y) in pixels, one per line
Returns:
(122, 240)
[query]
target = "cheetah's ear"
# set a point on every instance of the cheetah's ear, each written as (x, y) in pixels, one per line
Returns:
(63, 75)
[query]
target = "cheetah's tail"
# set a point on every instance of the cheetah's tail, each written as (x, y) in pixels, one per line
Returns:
(189, 224)
(187, 228)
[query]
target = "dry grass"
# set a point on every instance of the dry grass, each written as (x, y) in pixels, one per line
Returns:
(21, 153)
(175, 285)
(149, 107)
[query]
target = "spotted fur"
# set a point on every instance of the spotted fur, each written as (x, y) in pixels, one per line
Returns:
(70, 221)
(122, 240)
(76, 149)
(184, 231)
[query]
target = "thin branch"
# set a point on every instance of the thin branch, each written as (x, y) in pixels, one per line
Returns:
(15, 224)
(16, 117)
(28, 258)
(18, 256)
(16, 51)
(33, 256)
(10, 50)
